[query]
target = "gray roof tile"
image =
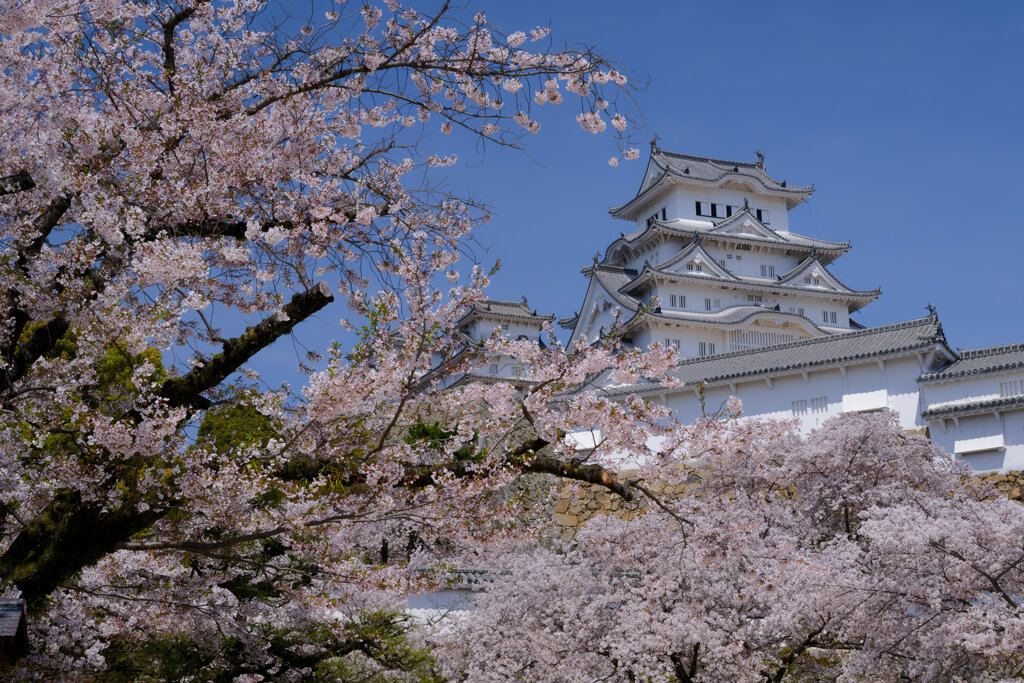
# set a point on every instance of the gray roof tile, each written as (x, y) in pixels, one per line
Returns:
(805, 354)
(980, 362)
(518, 310)
(968, 407)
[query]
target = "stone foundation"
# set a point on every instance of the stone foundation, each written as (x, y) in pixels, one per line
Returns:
(572, 506)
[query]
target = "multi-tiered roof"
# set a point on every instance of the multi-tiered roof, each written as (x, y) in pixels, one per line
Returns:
(698, 253)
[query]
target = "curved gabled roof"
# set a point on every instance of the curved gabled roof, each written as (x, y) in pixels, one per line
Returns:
(991, 360)
(861, 297)
(696, 252)
(828, 251)
(691, 169)
(734, 316)
(569, 322)
(508, 310)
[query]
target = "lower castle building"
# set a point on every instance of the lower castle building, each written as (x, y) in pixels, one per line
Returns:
(710, 268)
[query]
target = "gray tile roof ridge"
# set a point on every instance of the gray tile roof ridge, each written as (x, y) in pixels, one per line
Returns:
(973, 406)
(930, 321)
(963, 366)
(814, 242)
(726, 167)
(991, 350)
(631, 303)
(522, 309)
(918, 322)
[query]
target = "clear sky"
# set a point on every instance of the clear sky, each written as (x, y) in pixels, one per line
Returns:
(908, 117)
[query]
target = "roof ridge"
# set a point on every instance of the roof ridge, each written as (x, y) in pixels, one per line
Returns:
(712, 160)
(990, 350)
(815, 340)
(713, 233)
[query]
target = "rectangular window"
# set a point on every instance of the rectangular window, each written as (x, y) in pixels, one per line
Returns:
(672, 300)
(1013, 387)
(762, 215)
(813, 281)
(799, 311)
(721, 262)
(728, 210)
(738, 257)
(743, 247)
(824, 316)
(517, 370)
(714, 210)
(700, 208)
(767, 271)
(705, 348)
(718, 304)
(673, 343)
(707, 304)
(664, 214)
(832, 317)
(677, 300)
(493, 369)
(755, 298)
(818, 404)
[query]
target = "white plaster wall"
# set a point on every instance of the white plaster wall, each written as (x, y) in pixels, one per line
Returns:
(682, 201)
(976, 388)
(775, 401)
(751, 261)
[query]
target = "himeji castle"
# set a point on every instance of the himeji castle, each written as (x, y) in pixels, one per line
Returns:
(710, 267)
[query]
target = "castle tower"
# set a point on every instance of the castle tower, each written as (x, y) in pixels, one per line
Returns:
(711, 265)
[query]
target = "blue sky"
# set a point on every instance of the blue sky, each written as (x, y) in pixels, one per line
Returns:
(907, 117)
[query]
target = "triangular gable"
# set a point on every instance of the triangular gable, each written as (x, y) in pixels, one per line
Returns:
(693, 260)
(745, 224)
(598, 300)
(651, 175)
(820, 278)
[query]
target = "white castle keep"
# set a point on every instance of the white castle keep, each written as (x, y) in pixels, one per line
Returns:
(711, 268)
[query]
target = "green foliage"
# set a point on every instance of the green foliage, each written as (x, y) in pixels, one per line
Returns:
(435, 436)
(236, 427)
(371, 648)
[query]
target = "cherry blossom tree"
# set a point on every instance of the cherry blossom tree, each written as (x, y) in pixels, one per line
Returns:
(168, 173)
(856, 553)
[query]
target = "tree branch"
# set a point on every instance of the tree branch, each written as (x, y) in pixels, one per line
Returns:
(186, 390)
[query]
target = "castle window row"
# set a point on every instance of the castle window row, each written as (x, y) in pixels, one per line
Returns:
(712, 210)
(1012, 387)
(828, 317)
(818, 404)
(743, 340)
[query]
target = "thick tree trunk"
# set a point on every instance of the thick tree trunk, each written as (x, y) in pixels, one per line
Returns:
(64, 538)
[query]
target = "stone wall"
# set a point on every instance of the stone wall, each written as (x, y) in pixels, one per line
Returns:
(574, 505)
(1010, 484)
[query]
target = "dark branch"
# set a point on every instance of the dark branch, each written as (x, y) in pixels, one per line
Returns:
(169, 63)
(187, 390)
(43, 339)
(207, 228)
(579, 471)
